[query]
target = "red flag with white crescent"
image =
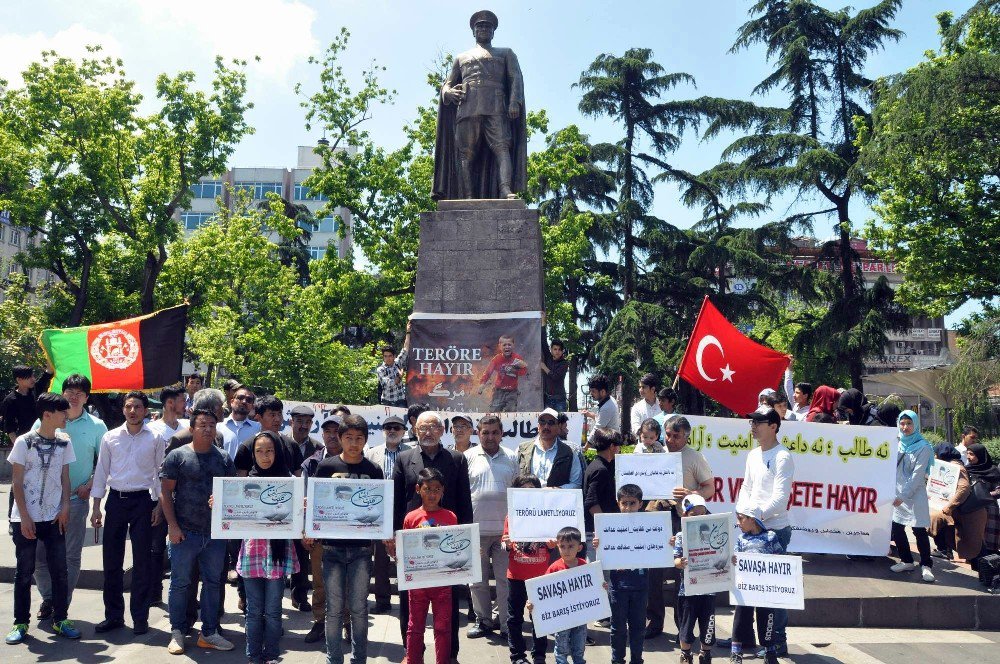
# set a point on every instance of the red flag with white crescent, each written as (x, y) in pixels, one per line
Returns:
(726, 365)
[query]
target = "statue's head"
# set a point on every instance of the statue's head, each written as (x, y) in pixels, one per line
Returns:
(483, 23)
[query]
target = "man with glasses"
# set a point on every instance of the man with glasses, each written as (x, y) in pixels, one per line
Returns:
(384, 456)
(457, 495)
(239, 423)
(549, 459)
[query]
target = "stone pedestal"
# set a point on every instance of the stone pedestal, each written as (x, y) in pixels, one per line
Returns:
(479, 278)
(479, 256)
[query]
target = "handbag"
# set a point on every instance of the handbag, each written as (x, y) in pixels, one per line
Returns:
(978, 498)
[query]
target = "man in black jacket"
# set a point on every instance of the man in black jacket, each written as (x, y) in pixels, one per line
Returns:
(18, 408)
(457, 494)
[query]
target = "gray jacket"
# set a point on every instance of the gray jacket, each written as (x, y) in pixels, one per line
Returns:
(911, 488)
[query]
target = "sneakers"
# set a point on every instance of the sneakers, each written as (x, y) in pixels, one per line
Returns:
(687, 657)
(16, 634)
(176, 646)
(943, 554)
(736, 658)
(771, 658)
(903, 567)
(66, 628)
(214, 642)
(927, 575)
(479, 629)
(705, 656)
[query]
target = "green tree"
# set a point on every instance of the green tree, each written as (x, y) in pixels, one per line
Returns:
(932, 159)
(807, 149)
(21, 321)
(91, 164)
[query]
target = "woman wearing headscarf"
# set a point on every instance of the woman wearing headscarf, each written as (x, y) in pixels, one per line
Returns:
(951, 529)
(910, 508)
(823, 401)
(982, 469)
(264, 563)
(855, 406)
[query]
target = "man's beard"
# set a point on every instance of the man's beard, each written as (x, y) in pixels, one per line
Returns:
(428, 442)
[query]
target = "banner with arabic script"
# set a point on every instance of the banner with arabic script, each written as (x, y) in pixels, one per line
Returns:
(844, 482)
(634, 540)
(517, 427)
(481, 363)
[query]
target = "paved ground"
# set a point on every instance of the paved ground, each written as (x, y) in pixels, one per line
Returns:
(808, 645)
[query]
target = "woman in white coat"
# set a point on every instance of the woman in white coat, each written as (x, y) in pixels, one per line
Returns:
(910, 508)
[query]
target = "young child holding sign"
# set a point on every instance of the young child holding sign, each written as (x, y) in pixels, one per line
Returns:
(430, 488)
(754, 538)
(569, 642)
(628, 591)
(693, 609)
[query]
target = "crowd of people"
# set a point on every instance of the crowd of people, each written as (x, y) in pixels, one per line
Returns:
(149, 482)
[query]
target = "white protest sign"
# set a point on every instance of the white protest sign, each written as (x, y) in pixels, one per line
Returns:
(517, 427)
(844, 484)
(942, 482)
(441, 556)
(341, 508)
(537, 515)
(708, 547)
(257, 508)
(768, 580)
(656, 474)
(570, 598)
(634, 541)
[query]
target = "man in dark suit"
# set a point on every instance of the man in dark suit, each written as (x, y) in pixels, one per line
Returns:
(457, 495)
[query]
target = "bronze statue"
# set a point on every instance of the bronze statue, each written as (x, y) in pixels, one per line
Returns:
(482, 138)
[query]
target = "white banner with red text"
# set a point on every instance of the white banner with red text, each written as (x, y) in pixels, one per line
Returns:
(844, 484)
(517, 427)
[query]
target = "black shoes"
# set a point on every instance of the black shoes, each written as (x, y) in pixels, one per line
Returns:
(108, 625)
(316, 633)
(45, 611)
(479, 629)
(140, 628)
(653, 632)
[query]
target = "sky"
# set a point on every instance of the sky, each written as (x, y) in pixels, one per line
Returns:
(554, 42)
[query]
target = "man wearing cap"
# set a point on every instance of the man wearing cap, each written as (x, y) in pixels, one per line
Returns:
(699, 480)
(767, 486)
(548, 458)
(492, 469)
(461, 429)
(384, 456)
(482, 98)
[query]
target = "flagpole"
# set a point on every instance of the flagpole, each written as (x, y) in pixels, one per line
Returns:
(677, 376)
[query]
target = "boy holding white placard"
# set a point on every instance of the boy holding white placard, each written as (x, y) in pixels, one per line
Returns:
(693, 609)
(754, 538)
(569, 642)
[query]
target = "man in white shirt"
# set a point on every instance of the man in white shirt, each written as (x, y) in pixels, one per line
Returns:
(647, 407)
(607, 408)
(239, 423)
(799, 394)
(128, 467)
(492, 469)
(767, 485)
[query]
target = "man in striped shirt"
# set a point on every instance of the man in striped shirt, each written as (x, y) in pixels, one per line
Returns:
(384, 456)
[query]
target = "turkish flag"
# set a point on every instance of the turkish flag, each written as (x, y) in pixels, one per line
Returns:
(726, 365)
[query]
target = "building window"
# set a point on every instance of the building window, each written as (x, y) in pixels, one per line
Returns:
(15, 237)
(302, 193)
(325, 225)
(3, 231)
(259, 189)
(195, 220)
(207, 189)
(13, 267)
(5, 216)
(316, 253)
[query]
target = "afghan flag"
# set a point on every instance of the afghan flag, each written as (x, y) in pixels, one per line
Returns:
(143, 353)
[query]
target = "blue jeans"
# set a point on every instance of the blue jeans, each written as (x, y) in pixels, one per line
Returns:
(346, 574)
(570, 643)
(208, 554)
(263, 617)
(628, 623)
(784, 536)
(556, 403)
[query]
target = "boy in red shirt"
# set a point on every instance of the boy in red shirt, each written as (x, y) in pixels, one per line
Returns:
(430, 488)
(526, 561)
(508, 367)
(569, 642)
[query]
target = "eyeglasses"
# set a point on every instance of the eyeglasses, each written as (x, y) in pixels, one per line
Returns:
(392, 427)
(245, 399)
(547, 422)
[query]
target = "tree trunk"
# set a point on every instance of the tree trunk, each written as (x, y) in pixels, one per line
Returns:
(150, 275)
(82, 291)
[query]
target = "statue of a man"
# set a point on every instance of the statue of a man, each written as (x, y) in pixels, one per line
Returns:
(482, 142)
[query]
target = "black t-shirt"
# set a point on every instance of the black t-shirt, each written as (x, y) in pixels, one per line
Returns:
(18, 410)
(599, 489)
(293, 456)
(335, 466)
